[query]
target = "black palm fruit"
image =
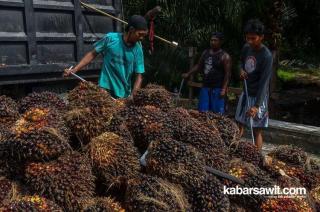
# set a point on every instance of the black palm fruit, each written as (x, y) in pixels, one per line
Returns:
(65, 181)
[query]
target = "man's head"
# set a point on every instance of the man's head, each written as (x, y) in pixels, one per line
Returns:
(216, 40)
(137, 28)
(254, 32)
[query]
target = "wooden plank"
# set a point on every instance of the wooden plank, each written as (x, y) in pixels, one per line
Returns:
(237, 91)
(53, 4)
(11, 3)
(31, 32)
(293, 127)
(50, 79)
(284, 133)
(79, 29)
(194, 84)
(16, 70)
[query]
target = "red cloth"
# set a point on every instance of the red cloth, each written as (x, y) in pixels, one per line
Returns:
(151, 34)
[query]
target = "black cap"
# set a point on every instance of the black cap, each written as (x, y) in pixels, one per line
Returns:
(137, 22)
(218, 35)
(254, 26)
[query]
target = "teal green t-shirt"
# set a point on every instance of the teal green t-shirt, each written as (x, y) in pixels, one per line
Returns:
(120, 62)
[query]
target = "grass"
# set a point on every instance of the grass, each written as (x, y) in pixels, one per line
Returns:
(287, 75)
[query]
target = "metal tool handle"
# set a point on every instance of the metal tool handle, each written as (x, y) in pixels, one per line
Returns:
(83, 80)
(178, 96)
(224, 175)
(77, 76)
(251, 119)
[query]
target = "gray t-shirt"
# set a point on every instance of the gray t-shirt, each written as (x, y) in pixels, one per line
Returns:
(258, 65)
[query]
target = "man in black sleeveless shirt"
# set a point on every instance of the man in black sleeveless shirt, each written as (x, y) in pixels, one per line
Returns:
(215, 65)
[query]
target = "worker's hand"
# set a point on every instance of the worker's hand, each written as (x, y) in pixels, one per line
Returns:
(132, 95)
(129, 98)
(68, 72)
(253, 111)
(185, 75)
(102, 90)
(243, 75)
(223, 92)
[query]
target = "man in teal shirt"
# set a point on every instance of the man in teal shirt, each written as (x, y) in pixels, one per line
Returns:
(122, 58)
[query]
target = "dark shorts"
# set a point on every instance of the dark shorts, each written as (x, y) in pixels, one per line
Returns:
(209, 100)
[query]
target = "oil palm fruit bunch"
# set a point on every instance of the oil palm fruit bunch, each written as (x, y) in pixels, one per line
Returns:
(40, 134)
(114, 159)
(251, 174)
(315, 195)
(204, 118)
(87, 123)
(290, 155)
(191, 131)
(285, 181)
(37, 118)
(88, 94)
(31, 203)
(148, 193)
(118, 125)
(9, 112)
(101, 204)
(286, 204)
(274, 167)
(64, 181)
(8, 190)
(309, 178)
(175, 161)
(8, 107)
(44, 144)
(253, 177)
(154, 95)
(208, 196)
(146, 124)
(219, 160)
(238, 170)
(247, 152)
(44, 100)
(234, 207)
(228, 129)
(154, 86)
(5, 134)
(11, 168)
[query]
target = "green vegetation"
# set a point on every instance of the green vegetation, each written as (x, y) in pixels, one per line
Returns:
(191, 22)
(286, 75)
(304, 76)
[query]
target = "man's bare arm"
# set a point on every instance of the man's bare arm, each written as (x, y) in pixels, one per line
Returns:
(83, 63)
(227, 64)
(195, 68)
(137, 84)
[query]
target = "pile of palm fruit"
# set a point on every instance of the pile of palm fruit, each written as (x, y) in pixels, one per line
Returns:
(90, 152)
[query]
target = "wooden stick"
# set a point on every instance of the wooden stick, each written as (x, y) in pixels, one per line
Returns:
(172, 43)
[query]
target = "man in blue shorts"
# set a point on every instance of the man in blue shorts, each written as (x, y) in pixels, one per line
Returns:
(122, 59)
(215, 65)
(256, 69)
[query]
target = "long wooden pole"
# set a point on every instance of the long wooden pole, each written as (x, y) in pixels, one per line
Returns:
(172, 43)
